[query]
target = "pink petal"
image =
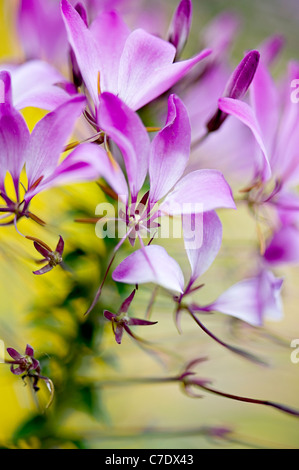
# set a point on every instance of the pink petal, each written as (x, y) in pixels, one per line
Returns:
(245, 114)
(85, 48)
(49, 137)
(199, 191)
(252, 300)
(147, 69)
(83, 164)
(125, 128)
(36, 84)
(151, 264)
(202, 256)
(170, 150)
(110, 33)
(264, 99)
(14, 136)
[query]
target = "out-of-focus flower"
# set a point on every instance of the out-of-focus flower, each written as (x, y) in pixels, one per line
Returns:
(41, 29)
(121, 321)
(38, 84)
(40, 152)
(252, 300)
(53, 258)
(136, 66)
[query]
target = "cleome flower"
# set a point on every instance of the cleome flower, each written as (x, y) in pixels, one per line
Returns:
(136, 66)
(121, 321)
(39, 153)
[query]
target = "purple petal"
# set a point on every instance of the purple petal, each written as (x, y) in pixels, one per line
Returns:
(118, 332)
(147, 69)
(283, 247)
(199, 191)
(201, 257)
(221, 32)
(17, 370)
(127, 302)
(125, 128)
(109, 316)
(29, 351)
(252, 300)
(60, 245)
(14, 354)
(37, 20)
(180, 26)
(162, 269)
(237, 86)
(170, 150)
(83, 164)
(14, 135)
(43, 270)
(110, 33)
(42, 250)
(138, 321)
(245, 114)
(85, 48)
(271, 48)
(242, 76)
(49, 137)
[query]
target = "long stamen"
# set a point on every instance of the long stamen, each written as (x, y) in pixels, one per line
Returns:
(233, 349)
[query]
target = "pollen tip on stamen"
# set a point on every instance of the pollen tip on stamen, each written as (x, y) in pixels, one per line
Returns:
(71, 146)
(99, 83)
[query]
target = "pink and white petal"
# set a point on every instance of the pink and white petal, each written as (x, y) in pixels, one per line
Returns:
(110, 33)
(85, 163)
(85, 48)
(264, 99)
(252, 300)
(245, 114)
(151, 264)
(37, 84)
(14, 136)
(147, 69)
(49, 137)
(199, 191)
(43, 270)
(126, 129)
(170, 150)
(201, 256)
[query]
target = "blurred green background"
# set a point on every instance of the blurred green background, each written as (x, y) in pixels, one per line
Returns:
(79, 353)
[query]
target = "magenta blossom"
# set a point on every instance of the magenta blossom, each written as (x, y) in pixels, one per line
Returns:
(40, 153)
(136, 66)
(165, 159)
(121, 322)
(180, 26)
